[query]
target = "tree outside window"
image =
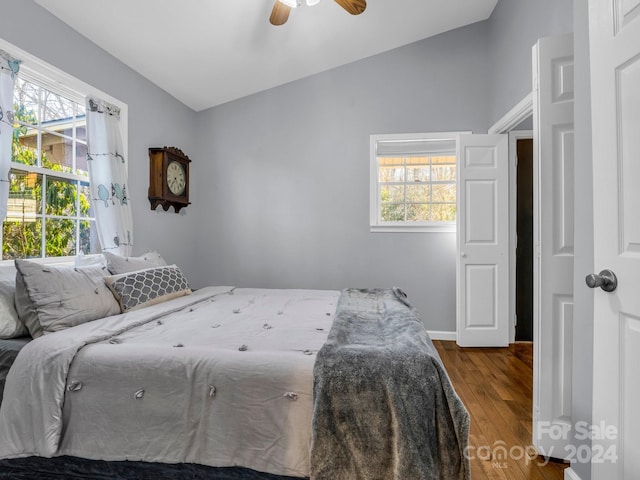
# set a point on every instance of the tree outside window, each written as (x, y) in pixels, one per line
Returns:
(49, 210)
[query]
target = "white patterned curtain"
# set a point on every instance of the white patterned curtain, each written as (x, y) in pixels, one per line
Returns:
(9, 68)
(108, 176)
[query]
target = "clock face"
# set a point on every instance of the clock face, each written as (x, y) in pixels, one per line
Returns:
(176, 178)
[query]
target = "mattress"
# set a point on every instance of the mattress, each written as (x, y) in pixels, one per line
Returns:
(8, 352)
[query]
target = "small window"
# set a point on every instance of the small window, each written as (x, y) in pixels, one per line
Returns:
(413, 182)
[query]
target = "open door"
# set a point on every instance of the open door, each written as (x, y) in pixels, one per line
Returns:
(553, 244)
(483, 241)
(614, 31)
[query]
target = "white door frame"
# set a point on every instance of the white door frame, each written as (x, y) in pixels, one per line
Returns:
(522, 111)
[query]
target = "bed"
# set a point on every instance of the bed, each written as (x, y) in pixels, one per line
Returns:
(228, 383)
(9, 349)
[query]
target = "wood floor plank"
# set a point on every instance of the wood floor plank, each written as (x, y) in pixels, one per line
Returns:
(497, 388)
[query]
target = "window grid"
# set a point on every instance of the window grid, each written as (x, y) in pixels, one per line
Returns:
(422, 175)
(50, 185)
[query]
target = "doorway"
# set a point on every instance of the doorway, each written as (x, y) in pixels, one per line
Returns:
(524, 244)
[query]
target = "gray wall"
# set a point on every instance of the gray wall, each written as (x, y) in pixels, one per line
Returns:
(155, 118)
(285, 174)
(515, 26)
(287, 183)
(583, 231)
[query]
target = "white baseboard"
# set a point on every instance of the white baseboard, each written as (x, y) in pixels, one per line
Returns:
(437, 335)
(569, 474)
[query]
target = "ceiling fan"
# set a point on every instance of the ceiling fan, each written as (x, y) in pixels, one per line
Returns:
(282, 8)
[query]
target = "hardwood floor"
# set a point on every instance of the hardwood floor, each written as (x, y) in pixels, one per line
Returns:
(496, 387)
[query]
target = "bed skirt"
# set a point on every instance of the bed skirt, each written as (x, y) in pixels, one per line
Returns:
(73, 468)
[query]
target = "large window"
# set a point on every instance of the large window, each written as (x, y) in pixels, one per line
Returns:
(49, 209)
(413, 182)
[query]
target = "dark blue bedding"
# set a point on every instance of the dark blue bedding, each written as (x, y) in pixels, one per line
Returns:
(73, 468)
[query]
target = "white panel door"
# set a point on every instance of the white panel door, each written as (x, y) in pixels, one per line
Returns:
(483, 241)
(553, 241)
(615, 103)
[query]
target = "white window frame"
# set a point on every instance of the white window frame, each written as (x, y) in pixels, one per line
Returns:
(375, 223)
(47, 76)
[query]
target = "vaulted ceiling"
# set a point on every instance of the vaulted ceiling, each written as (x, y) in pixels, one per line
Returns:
(208, 52)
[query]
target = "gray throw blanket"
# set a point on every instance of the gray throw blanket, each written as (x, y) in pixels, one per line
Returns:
(384, 407)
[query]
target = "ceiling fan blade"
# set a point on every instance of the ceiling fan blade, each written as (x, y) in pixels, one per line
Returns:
(354, 7)
(280, 13)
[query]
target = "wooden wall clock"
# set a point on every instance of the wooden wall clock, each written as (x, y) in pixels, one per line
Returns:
(168, 178)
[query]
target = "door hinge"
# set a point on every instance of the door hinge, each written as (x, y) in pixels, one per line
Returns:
(515, 320)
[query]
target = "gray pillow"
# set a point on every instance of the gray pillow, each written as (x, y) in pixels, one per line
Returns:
(51, 298)
(10, 324)
(148, 287)
(118, 264)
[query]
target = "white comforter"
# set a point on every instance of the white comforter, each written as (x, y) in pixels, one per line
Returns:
(222, 377)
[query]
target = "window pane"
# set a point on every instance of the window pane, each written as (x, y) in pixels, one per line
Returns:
(390, 169)
(25, 149)
(391, 174)
(81, 129)
(418, 212)
(418, 174)
(57, 153)
(444, 193)
(444, 212)
(80, 111)
(86, 207)
(392, 212)
(61, 197)
(57, 111)
(25, 196)
(418, 193)
(390, 161)
(446, 159)
(89, 237)
(443, 172)
(26, 98)
(21, 239)
(81, 160)
(418, 161)
(392, 193)
(60, 237)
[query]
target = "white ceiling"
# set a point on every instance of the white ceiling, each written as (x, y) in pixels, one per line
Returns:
(208, 52)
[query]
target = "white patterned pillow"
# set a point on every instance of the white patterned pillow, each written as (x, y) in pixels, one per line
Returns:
(147, 287)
